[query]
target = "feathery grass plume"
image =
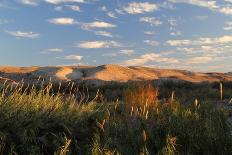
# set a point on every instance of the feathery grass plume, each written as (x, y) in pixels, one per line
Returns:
(132, 110)
(144, 135)
(64, 149)
(146, 116)
(196, 103)
(108, 114)
(170, 148)
(101, 125)
(137, 111)
(172, 97)
(221, 91)
(116, 106)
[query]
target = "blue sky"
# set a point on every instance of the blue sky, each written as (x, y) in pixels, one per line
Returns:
(182, 34)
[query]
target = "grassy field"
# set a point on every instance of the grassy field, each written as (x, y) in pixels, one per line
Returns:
(146, 120)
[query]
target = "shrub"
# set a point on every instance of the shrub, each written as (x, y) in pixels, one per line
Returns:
(140, 94)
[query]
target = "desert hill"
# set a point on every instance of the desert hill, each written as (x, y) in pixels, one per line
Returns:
(105, 73)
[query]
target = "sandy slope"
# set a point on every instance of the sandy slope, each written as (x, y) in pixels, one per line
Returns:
(108, 72)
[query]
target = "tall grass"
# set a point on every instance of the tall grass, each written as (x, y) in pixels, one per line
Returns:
(41, 122)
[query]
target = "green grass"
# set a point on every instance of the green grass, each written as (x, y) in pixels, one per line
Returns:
(43, 122)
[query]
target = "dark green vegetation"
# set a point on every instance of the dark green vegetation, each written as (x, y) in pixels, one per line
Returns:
(42, 122)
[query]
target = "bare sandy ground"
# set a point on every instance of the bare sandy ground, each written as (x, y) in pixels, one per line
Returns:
(109, 72)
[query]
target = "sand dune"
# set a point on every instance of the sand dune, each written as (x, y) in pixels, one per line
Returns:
(108, 72)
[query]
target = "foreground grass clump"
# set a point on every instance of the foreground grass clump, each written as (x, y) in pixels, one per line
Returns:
(39, 122)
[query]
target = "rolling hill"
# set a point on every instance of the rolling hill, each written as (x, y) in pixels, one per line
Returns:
(105, 73)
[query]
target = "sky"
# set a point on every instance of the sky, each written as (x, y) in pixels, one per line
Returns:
(192, 35)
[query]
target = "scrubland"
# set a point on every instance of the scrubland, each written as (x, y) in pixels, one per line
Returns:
(146, 119)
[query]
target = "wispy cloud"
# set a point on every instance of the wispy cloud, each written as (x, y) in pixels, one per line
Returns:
(202, 3)
(98, 44)
(74, 7)
(68, 7)
(73, 57)
(151, 42)
(229, 1)
(175, 33)
(228, 26)
(150, 57)
(23, 34)
(127, 52)
(52, 50)
(97, 24)
(65, 1)
(62, 21)
(111, 14)
(210, 4)
(201, 41)
(140, 8)
(103, 33)
(200, 60)
(173, 23)
(30, 2)
(204, 59)
(227, 10)
(103, 8)
(153, 21)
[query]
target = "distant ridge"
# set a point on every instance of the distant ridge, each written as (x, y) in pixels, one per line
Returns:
(106, 73)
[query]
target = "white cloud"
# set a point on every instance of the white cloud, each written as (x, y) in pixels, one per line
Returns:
(74, 7)
(226, 10)
(111, 54)
(202, 3)
(175, 33)
(153, 21)
(103, 33)
(103, 8)
(210, 4)
(167, 5)
(97, 24)
(98, 44)
(140, 8)
(111, 14)
(118, 11)
(201, 60)
(172, 22)
(73, 57)
(68, 7)
(30, 2)
(151, 42)
(127, 52)
(178, 42)
(187, 50)
(21, 34)
(150, 57)
(65, 1)
(202, 41)
(58, 8)
(62, 21)
(53, 50)
(228, 26)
